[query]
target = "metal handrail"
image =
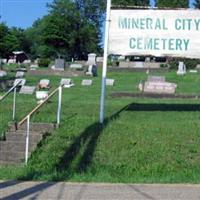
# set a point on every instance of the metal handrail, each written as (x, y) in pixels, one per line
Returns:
(9, 91)
(27, 117)
(14, 97)
(38, 106)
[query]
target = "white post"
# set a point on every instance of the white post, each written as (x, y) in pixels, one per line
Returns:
(105, 56)
(59, 104)
(14, 103)
(27, 139)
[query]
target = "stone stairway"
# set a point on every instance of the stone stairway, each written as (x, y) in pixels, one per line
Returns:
(12, 149)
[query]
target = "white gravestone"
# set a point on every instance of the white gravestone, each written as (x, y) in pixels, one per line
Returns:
(21, 80)
(91, 59)
(181, 69)
(44, 83)
(86, 82)
(3, 73)
(19, 74)
(27, 89)
(66, 82)
(99, 59)
(34, 67)
(41, 96)
(160, 87)
(76, 66)
(110, 82)
(89, 71)
(156, 79)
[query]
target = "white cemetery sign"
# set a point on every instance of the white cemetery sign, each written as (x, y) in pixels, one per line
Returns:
(155, 32)
(172, 33)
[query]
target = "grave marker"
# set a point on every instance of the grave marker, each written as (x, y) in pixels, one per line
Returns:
(86, 82)
(27, 89)
(110, 82)
(21, 80)
(19, 74)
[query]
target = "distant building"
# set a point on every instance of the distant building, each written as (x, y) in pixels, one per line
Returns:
(19, 56)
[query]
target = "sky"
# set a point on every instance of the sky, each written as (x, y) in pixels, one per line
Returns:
(22, 13)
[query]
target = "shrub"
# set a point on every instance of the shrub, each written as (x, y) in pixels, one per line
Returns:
(190, 63)
(44, 62)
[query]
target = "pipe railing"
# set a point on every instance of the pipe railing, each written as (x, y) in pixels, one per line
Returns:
(14, 97)
(27, 117)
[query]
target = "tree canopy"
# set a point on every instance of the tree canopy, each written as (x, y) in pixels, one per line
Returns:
(172, 3)
(197, 4)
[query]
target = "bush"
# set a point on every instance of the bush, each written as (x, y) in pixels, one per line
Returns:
(190, 63)
(44, 62)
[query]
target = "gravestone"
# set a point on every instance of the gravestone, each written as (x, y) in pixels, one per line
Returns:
(76, 66)
(193, 71)
(19, 74)
(41, 96)
(44, 83)
(156, 79)
(3, 73)
(66, 82)
(181, 69)
(110, 82)
(198, 66)
(21, 80)
(59, 64)
(99, 59)
(27, 89)
(139, 64)
(86, 82)
(91, 59)
(160, 87)
(34, 67)
(89, 71)
(27, 61)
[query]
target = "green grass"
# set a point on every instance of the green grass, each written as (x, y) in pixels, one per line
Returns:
(143, 140)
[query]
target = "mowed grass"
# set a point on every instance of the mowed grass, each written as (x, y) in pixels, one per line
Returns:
(142, 140)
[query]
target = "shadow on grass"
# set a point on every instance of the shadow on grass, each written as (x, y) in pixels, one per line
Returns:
(87, 138)
(163, 107)
(78, 156)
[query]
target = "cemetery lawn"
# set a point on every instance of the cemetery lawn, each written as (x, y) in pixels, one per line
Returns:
(143, 140)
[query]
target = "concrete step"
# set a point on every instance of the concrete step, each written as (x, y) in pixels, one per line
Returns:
(16, 146)
(21, 137)
(38, 127)
(12, 156)
(12, 150)
(6, 162)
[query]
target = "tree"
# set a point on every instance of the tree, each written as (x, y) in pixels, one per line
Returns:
(172, 3)
(8, 41)
(71, 29)
(197, 4)
(131, 2)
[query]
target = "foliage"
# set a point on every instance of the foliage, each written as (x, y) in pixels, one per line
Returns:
(8, 41)
(172, 3)
(44, 62)
(196, 4)
(190, 63)
(131, 2)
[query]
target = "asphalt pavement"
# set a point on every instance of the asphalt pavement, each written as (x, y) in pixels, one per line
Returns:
(96, 191)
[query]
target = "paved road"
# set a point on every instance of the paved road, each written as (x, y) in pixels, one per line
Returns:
(74, 191)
